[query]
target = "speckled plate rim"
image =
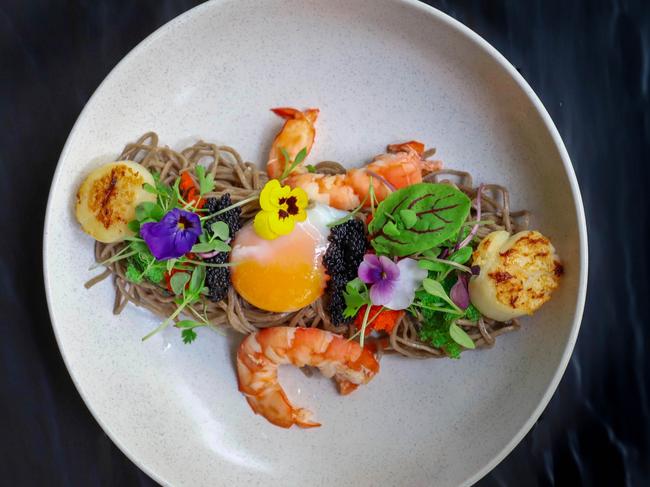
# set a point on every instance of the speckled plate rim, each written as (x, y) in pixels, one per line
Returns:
(480, 43)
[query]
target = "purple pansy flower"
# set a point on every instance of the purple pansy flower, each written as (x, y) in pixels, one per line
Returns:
(393, 284)
(173, 236)
(382, 273)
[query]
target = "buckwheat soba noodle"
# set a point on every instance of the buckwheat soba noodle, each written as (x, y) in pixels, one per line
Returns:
(243, 180)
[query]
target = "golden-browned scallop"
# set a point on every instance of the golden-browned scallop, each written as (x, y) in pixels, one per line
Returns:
(518, 274)
(107, 198)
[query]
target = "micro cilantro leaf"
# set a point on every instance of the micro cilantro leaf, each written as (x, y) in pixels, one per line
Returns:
(178, 282)
(220, 230)
(206, 182)
(460, 336)
(409, 218)
(310, 168)
(189, 335)
(356, 295)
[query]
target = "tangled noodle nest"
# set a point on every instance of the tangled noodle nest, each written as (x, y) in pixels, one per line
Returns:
(244, 179)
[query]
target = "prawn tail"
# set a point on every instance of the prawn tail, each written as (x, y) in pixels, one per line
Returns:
(346, 387)
(405, 146)
(289, 113)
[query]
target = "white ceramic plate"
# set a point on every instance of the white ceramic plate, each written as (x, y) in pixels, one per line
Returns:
(380, 71)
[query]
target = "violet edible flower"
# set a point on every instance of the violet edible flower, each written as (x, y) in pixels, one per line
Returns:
(382, 273)
(459, 293)
(393, 284)
(173, 236)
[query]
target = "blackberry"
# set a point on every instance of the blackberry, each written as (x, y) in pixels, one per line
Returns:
(217, 278)
(348, 244)
(231, 217)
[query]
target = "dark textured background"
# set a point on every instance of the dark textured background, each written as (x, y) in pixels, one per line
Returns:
(588, 61)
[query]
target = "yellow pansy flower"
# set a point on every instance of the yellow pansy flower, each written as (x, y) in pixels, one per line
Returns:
(282, 207)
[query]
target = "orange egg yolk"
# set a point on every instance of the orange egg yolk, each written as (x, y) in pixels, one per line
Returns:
(284, 274)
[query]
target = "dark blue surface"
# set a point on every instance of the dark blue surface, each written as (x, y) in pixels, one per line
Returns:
(588, 61)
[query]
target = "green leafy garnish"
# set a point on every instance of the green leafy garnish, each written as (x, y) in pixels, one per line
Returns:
(310, 168)
(439, 211)
(206, 182)
(148, 211)
(435, 289)
(178, 281)
(438, 326)
(356, 295)
(290, 166)
(458, 335)
(220, 230)
(188, 335)
(461, 256)
(214, 245)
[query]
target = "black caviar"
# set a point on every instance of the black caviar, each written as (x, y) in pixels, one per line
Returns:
(348, 244)
(218, 278)
(230, 217)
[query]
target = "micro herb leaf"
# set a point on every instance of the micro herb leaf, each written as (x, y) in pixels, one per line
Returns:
(431, 265)
(197, 280)
(134, 226)
(290, 166)
(300, 156)
(220, 230)
(356, 295)
(206, 182)
(434, 288)
(461, 256)
(460, 336)
(440, 211)
(409, 217)
(432, 253)
(169, 264)
(310, 168)
(149, 188)
(217, 245)
(187, 324)
(149, 211)
(178, 282)
(188, 335)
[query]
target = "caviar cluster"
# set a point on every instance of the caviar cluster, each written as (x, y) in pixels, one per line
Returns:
(348, 244)
(218, 278)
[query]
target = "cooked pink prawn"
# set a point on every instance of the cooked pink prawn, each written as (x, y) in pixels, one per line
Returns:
(298, 132)
(400, 167)
(262, 352)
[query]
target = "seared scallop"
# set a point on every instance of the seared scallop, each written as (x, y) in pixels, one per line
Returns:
(517, 275)
(107, 199)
